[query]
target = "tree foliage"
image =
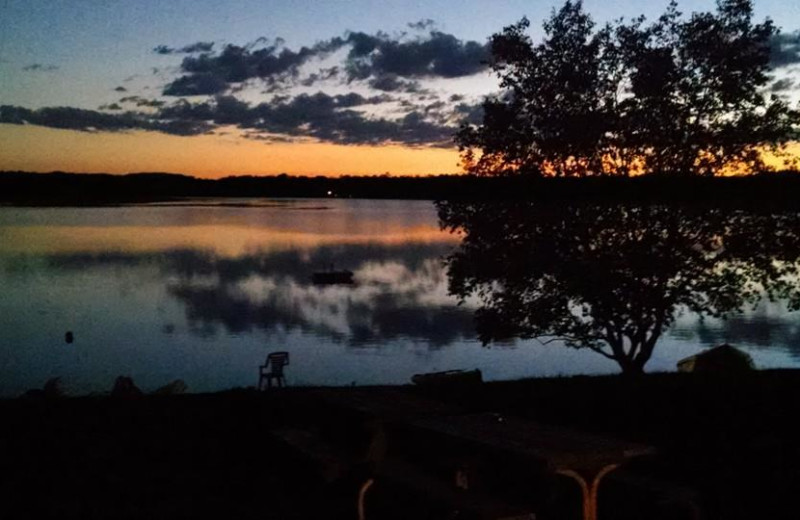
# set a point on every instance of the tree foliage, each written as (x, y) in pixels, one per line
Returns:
(681, 95)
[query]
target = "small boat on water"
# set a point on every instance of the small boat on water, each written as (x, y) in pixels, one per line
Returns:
(344, 277)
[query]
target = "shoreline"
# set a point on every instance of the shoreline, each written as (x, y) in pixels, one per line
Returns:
(60, 189)
(730, 440)
(547, 380)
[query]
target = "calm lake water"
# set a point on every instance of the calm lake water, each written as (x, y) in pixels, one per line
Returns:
(202, 291)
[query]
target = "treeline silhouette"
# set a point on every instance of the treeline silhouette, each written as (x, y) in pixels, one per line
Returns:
(77, 189)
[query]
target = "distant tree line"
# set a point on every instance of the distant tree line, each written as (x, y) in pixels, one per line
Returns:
(75, 189)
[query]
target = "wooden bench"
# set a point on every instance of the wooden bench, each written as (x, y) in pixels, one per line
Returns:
(333, 463)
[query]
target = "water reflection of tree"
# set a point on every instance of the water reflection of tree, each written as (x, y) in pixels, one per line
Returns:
(613, 278)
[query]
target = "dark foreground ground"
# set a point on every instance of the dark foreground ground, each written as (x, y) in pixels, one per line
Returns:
(729, 444)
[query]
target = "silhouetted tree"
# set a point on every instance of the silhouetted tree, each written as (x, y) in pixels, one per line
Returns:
(678, 96)
(612, 278)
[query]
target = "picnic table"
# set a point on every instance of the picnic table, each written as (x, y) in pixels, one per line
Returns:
(583, 457)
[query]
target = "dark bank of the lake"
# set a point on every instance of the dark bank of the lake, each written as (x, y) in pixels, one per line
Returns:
(730, 442)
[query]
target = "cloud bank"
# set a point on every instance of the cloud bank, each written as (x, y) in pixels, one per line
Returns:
(187, 49)
(392, 86)
(321, 116)
(40, 67)
(785, 50)
(387, 62)
(375, 90)
(70, 118)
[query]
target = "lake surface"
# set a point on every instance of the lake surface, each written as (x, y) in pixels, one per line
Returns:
(202, 291)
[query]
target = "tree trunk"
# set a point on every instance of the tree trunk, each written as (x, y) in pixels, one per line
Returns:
(632, 366)
(631, 369)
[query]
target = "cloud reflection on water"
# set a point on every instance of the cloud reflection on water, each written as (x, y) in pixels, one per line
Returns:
(400, 291)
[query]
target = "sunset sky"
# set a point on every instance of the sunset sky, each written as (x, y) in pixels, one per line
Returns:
(215, 88)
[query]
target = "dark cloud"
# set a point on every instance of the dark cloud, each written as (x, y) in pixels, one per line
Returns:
(142, 102)
(436, 55)
(350, 100)
(328, 118)
(393, 83)
(180, 127)
(321, 116)
(230, 111)
(93, 121)
(785, 50)
(211, 73)
(182, 110)
(782, 85)
(256, 136)
(435, 106)
(188, 49)
(387, 63)
(198, 47)
(354, 100)
(39, 67)
(196, 85)
(69, 118)
(471, 114)
(324, 74)
(422, 25)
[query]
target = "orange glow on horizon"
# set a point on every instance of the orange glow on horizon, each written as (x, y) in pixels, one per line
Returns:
(40, 149)
(785, 159)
